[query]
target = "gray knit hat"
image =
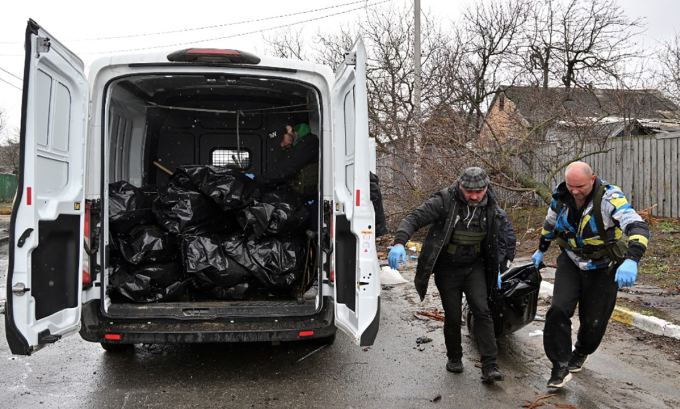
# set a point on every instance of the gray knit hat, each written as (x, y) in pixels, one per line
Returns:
(473, 179)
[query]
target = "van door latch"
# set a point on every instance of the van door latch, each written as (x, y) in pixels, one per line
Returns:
(351, 58)
(24, 236)
(20, 289)
(42, 45)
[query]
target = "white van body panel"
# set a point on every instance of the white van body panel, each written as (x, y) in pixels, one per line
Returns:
(51, 179)
(351, 168)
(84, 155)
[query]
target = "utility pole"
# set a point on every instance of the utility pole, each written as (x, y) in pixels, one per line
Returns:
(416, 59)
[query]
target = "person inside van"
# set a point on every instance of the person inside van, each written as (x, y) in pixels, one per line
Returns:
(298, 167)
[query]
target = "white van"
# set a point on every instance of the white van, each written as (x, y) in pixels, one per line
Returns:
(190, 107)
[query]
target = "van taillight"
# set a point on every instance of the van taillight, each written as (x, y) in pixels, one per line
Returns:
(213, 55)
(304, 334)
(112, 337)
(86, 256)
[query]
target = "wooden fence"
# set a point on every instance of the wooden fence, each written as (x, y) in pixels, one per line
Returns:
(647, 168)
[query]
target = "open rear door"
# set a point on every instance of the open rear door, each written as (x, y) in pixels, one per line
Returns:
(357, 280)
(44, 274)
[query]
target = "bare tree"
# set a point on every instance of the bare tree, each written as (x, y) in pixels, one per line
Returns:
(669, 72)
(489, 33)
(9, 146)
(286, 43)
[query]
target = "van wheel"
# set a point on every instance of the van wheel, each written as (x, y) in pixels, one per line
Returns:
(116, 348)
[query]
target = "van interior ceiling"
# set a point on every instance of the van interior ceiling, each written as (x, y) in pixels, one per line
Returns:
(188, 221)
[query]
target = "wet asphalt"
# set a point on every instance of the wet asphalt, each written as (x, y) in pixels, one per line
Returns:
(396, 372)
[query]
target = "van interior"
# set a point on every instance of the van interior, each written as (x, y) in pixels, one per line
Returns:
(189, 226)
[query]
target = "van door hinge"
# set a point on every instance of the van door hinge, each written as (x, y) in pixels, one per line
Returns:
(351, 58)
(20, 289)
(45, 337)
(42, 45)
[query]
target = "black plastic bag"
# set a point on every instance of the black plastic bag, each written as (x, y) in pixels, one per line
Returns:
(150, 283)
(229, 188)
(277, 212)
(128, 207)
(513, 306)
(276, 263)
(240, 291)
(148, 244)
(181, 208)
(205, 260)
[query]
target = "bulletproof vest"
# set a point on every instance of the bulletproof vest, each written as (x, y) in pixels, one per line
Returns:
(305, 181)
(467, 236)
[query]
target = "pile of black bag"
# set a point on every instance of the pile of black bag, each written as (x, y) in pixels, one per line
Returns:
(210, 233)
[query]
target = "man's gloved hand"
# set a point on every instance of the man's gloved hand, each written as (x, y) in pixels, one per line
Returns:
(250, 175)
(537, 258)
(499, 279)
(626, 273)
(396, 253)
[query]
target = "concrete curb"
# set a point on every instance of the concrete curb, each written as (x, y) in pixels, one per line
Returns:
(646, 323)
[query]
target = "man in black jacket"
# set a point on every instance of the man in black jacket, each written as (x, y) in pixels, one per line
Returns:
(299, 165)
(461, 250)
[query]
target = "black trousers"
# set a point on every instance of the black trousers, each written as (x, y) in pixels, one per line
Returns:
(595, 292)
(452, 282)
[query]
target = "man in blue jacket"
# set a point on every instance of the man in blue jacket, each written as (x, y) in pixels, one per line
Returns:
(599, 233)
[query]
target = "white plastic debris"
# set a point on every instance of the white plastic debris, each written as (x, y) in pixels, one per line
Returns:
(537, 333)
(414, 248)
(390, 276)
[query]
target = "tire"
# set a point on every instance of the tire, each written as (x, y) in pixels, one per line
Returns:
(116, 348)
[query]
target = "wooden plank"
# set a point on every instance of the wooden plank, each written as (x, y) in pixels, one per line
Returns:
(668, 201)
(646, 168)
(635, 166)
(675, 170)
(619, 161)
(627, 167)
(660, 177)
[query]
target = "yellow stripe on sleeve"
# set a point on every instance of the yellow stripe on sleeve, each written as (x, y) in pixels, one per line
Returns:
(639, 238)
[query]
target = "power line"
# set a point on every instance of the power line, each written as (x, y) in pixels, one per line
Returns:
(205, 27)
(9, 83)
(236, 35)
(19, 78)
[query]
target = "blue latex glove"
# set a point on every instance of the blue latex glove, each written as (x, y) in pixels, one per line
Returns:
(250, 175)
(397, 252)
(626, 273)
(537, 258)
(499, 279)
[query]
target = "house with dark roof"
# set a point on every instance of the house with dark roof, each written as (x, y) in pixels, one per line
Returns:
(556, 113)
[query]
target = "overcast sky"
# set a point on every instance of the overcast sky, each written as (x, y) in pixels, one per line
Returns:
(76, 23)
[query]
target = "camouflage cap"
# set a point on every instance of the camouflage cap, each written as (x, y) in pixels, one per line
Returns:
(473, 179)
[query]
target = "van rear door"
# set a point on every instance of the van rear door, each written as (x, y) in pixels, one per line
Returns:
(357, 283)
(44, 277)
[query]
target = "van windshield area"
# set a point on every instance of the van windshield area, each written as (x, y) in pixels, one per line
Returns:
(213, 185)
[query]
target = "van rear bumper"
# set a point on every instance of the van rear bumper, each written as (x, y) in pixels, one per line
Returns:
(94, 328)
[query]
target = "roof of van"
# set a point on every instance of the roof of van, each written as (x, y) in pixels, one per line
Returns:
(162, 58)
